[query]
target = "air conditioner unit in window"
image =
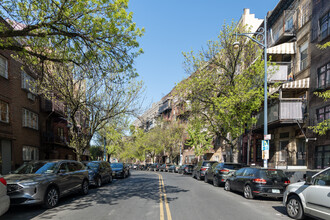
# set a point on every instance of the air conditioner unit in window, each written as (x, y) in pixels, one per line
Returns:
(31, 96)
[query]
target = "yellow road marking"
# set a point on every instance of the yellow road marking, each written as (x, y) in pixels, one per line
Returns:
(163, 193)
(161, 201)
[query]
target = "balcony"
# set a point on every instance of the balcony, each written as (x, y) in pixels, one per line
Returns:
(279, 72)
(53, 106)
(164, 106)
(50, 138)
(282, 112)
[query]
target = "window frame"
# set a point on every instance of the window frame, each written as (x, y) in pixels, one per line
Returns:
(324, 20)
(29, 151)
(4, 73)
(7, 112)
(325, 72)
(303, 50)
(28, 121)
(325, 112)
(26, 82)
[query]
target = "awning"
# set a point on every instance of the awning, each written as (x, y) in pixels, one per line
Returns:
(285, 48)
(298, 84)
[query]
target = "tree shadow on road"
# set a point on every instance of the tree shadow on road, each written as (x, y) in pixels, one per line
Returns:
(142, 186)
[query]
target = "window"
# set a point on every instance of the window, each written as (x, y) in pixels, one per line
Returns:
(303, 55)
(325, 26)
(289, 24)
(323, 179)
(322, 157)
(30, 119)
(323, 76)
(305, 13)
(27, 82)
(4, 112)
(3, 67)
(30, 153)
(323, 113)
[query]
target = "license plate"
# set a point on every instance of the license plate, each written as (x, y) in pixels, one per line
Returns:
(275, 191)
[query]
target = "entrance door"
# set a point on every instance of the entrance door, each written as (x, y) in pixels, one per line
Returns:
(5, 156)
(301, 152)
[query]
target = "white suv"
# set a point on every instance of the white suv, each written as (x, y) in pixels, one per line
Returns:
(4, 199)
(311, 197)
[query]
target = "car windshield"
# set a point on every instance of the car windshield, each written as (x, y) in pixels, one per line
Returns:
(208, 164)
(92, 166)
(232, 166)
(116, 165)
(36, 168)
(272, 174)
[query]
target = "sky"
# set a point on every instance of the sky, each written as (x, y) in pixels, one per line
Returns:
(176, 26)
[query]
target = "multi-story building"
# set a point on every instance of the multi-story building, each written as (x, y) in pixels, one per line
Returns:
(319, 108)
(19, 114)
(288, 31)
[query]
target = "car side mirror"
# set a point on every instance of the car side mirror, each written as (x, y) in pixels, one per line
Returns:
(309, 180)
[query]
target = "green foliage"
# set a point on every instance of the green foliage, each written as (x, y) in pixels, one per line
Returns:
(225, 85)
(324, 46)
(321, 128)
(96, 152)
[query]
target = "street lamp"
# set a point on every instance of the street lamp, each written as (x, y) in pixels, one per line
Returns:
(261, 34)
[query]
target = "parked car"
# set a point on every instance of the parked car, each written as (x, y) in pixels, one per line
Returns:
(309, 198)
(135, 166)
(4, 198)
(44, 182)
(141, 167)
(200, 169)
(186, 169)
(154, 167)
(173, 168)
(219, 172)
(258, 182)
(164, 167)
(120, 170)
(99, 172)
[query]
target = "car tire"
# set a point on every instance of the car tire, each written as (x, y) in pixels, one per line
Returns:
(84, 187)
(110, 179)
(248, 192)
(51, 198)
(227, 186)
(216, 182)
(294, 208)
(98, 181)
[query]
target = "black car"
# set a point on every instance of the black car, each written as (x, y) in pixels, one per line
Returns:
(173, 168)
(154, 167)
(99, 172)
(164, 167)
(186, 169)
(200, 169)
(219, 172)
(258, 182)
(120, 170)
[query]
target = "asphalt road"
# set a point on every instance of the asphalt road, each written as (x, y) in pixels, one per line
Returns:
(155, 195)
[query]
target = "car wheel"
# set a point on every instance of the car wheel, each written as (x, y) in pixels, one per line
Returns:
(110, 179)
(51, 198)
(248, 192)
(84, 187)
(98, 182)
(294, 207)
(215, 182)
(227, 186)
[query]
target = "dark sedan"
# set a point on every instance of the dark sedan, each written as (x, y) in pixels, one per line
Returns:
(258, 182)
(201, 168)
(120, 170)
(186, 169)
(219, 172)
(99, 172)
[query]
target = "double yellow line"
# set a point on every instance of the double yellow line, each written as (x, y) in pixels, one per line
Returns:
(162, 194)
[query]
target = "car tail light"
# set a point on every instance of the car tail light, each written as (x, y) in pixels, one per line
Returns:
(203, 169)
(3, 181)
(262, 181)
(224, 171)
(287, 182)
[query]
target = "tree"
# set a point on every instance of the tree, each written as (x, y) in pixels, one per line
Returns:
(224, 85)
(79, 33)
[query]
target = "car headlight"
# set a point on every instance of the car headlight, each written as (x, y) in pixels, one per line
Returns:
(29, 183)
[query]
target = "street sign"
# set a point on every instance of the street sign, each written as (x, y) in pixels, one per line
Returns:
(267, 137)
(265, 145)
(265, 154)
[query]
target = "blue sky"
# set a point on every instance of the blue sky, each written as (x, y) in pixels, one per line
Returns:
(176, 26)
